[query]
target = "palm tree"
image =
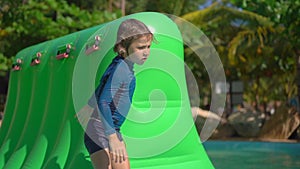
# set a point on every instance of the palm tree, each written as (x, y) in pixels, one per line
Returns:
(251, 48)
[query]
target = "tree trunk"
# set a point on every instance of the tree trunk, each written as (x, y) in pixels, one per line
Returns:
(123, 7)
(298, 82)
(110, 5)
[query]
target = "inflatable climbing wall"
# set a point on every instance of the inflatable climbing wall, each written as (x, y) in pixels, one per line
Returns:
(51, 81)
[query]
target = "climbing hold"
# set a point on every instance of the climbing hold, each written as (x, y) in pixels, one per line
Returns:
(36, 60)
(94, 47)
(65, 54)
(17, 66)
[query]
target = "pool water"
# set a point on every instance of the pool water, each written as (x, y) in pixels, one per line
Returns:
(253, 155)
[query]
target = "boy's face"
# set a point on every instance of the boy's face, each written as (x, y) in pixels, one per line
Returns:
(139, 50)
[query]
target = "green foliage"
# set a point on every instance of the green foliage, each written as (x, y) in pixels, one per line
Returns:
(282, 12)
(283, 44)
(30, 22)
(5, 64)
(175, 7)
(253, 47)
(90, 5)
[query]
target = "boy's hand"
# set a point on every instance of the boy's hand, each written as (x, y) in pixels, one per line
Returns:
(117, 149)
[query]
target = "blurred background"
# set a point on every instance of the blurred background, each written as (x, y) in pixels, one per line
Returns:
(258, 42)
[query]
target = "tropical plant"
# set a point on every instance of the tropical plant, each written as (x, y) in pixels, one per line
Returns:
(285, 14)
(174, 7)
(251, 48)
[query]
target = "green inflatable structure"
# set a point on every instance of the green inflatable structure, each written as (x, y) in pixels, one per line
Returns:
(51, 81)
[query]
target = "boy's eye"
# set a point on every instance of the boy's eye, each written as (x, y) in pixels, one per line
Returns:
(141, 47)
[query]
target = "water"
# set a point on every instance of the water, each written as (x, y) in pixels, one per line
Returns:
(253, 155)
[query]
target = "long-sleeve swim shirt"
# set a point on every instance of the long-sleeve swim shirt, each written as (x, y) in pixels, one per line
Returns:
(113, 96)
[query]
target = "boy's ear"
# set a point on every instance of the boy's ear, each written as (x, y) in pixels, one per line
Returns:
(121, 50)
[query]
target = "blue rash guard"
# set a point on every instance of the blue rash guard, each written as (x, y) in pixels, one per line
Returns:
(113, 96)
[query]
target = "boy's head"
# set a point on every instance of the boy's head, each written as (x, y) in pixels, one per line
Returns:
(129, 31)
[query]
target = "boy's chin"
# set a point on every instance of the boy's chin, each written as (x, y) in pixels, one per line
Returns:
(140, 62)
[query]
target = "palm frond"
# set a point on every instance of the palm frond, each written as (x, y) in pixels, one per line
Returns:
(237, 41)
(202, 17)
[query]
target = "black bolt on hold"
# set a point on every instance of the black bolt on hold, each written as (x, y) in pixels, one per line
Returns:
(68, 50)
(94, 47)
(17, 65)
(65, 54)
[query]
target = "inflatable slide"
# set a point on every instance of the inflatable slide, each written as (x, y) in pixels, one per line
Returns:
(51, 81)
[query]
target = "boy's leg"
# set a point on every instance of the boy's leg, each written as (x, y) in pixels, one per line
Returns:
(101, 159)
